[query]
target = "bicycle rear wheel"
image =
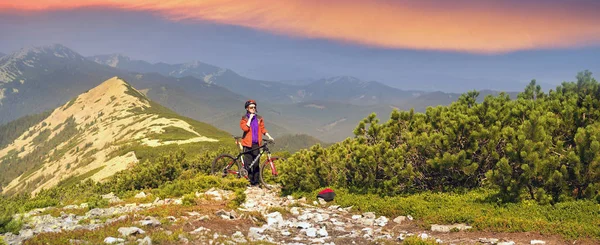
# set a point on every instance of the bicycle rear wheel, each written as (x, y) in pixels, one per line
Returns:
(268, 172)
(224, 165)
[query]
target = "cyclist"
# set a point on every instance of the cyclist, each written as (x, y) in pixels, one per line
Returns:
(253, 127)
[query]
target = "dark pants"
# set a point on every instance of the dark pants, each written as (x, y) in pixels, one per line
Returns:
(254, 173)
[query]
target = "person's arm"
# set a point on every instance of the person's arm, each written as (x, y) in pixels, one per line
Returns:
(245, 124)
(264, 130)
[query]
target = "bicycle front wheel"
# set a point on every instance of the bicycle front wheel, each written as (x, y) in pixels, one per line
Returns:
(268, 172)
(224, 165)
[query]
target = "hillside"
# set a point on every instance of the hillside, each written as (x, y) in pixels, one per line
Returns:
(80, 138)
(293, 143)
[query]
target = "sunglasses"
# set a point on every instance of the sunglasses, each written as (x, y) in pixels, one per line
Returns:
(251, 107)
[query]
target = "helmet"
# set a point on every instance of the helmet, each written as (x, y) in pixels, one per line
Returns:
(248, 103)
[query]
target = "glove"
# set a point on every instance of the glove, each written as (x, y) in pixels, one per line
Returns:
(270, 138)
(249, 120)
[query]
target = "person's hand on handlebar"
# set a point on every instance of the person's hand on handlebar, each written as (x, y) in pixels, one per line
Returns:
(270, 138)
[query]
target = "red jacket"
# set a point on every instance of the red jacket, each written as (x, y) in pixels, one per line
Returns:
(247, 136)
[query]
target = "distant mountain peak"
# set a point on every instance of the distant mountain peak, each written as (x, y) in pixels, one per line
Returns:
(336, 79)
(13, 65)
(57, 50)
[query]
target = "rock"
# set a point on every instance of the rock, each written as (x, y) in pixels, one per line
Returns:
(506, 243)
(275, 220)
(381, 221)
(448, 228)
(203, 217)
(423, 236)
(193, 214)
(321, 217)
(295, 211)
(255, 234)
(409, 217)
(238, 237)
(303, 225)
(128, 231)
(74, 241)
(227, 215)
(146, 241)
(285, 233)
(140, 195)
(172, 218)
(488, 240)
(183, 239)
(26, 234)
(366, 222)
(399, 219)
(199, 230)
(356, 216)
(215, 194)
(322, 201)
(368, 231)
(537, 242)
(311, 232)
(71, 207)
(112, 240)
(111, 198)
(150, 221)
(323, 232)
(438, 240)
(83, 205)
(369, 215)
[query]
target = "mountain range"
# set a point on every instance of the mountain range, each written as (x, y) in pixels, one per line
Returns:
(36, 79)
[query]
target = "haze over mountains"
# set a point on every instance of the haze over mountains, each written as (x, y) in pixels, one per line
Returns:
(36, 79)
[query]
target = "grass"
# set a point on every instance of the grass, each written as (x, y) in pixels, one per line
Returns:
(571, 220)
(173, 133)
(76, 179)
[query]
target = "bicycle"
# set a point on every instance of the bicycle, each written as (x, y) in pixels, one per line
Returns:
(226, 164)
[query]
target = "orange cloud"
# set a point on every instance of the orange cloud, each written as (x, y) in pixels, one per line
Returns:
(466, 25)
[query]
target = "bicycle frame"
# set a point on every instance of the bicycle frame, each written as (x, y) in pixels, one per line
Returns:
(262, 149)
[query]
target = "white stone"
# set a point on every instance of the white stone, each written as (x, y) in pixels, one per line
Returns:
(146, 241)
(238, 237)
(127, 231)
(311, 232)
(323, 232)
(537, 242)
(381, 221)
(111, 240)
(140, 195)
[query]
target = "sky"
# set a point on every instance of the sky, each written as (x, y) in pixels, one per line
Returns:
(451, 46)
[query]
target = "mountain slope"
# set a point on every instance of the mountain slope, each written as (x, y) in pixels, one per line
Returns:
(2, 54)
(81, 138)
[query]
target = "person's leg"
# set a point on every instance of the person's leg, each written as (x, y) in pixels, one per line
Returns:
(247, 159)
(253, 175)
